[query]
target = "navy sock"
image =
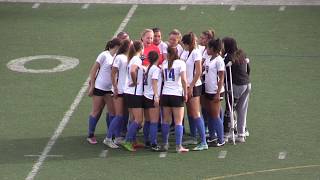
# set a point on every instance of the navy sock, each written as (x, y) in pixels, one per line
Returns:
(201, 129)
(113, 127)
(165, 132)
(153, 132)
(92, 121)
(132, 131)
(212, 131)
(178, 133)
(218, 126)
(118, 129)
(125, 123)
(109, 118)
(222, 114)
(146, 131)
(193, 129)
(205, 117)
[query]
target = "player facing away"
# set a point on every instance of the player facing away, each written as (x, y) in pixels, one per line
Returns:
(152, 88)
(174, 94)
(100, 86)
(118, 78)
(214, 79)
(193, 59)
(134, 93)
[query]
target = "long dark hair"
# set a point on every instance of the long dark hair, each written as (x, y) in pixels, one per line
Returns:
(239, 57)
(215, 45)
(134, 48)
(210, 34)
(230, 45)
(124, 47)
(153, 57)
(190, 40)
(172, 56)
(112, 43)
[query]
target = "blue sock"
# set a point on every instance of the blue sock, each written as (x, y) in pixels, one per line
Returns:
(193, 129)
(153, 132)
(118, 129)
(92, 125)
(205, 117)
(218, 126)
(125, 123)
(109, 118)
(114, 126)
(146, 131)
(178, 133)
(165, 128)
(212, 131)
(201, 129)
(132, 131)
(222, 114)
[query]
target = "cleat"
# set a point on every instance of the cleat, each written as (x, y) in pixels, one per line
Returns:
(118, 140)
(219, 144)
(137, 145)
(128, 146)
(155, 147)
(110, 143)
(240, 139)
(201, 147)
(165, 147)
(212, 140)
(181, 149)
(92, 140)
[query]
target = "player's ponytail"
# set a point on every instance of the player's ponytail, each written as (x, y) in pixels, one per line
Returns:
(112, 43)
(135, 47)
(172, 56)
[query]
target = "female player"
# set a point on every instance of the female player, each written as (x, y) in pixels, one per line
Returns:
(214, 88)
(157, 40)
(241, 89)
(100, 86)
(147, 39)
(152, 87)
(193, 60)
(134, 92)
(174, 41)
(174, 94)
(118, 78)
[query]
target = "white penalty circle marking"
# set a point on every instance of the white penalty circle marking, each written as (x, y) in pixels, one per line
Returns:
(66, 64)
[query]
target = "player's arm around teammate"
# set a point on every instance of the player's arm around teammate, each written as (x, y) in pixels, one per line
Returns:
(174, 94)
(193, 60)
(152, 84)
(118, 77)
(214, 88)
(100, 86)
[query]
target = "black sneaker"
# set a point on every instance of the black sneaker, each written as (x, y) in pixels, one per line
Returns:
(155, 147)
(217, 144)
(147, 145)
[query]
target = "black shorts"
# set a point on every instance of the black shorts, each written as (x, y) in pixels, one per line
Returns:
(133, 101)
(148, 103)
(197, 91)
(203, 89)
(211, 96)
(99, 92)
(171, 101)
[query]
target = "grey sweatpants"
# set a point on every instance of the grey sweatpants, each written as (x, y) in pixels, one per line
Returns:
(241, 95)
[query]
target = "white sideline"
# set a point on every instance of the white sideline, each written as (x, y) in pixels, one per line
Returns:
(233, 8)
(85, 6)
(44, 154)
(35, 5)
(222, 154)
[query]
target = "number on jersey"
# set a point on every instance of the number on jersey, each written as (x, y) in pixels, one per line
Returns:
(169, 74)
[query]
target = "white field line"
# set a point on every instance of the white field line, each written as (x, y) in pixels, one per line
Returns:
(282, 155)
(37, 155)
(183, 7)
(35, 5)
(163, 154)
(282, 8)
(103, 154)
(233, 8)
(222, 154)
(36, 167)
(85, 6)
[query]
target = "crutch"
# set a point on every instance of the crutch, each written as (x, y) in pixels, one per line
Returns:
(230, 104)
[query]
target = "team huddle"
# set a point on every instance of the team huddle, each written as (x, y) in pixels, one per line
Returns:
(147, 84)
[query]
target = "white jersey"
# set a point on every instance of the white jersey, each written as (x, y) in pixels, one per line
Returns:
(191, 59)
(212, 67)
(204, 52)
(180, 50)
(153, 73)
(103, 79)
(120, 62)
(163, 48)
(138, 89)
(172, 78)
